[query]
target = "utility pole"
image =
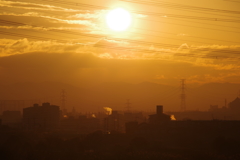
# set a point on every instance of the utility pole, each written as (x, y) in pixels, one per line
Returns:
(183, 96)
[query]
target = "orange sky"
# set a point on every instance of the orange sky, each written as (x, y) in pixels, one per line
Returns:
(67, 41)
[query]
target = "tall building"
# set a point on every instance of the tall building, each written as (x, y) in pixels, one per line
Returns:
(82, 124)
(114, 122)
(12, 118)
(11, 105)
(45, 117)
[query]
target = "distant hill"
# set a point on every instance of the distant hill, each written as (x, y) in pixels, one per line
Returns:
(142, 96)
(40, 92)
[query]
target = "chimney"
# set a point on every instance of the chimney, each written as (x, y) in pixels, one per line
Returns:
(159, 109)
(35, 105)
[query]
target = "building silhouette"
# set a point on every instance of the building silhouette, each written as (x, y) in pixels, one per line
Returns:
(235, 105)
(160, 125)
(12, 119)
(113, 122)
(159, 117)
(230, 111)
(11, 105)
(81, 124)
(117, 120)
(45, 117)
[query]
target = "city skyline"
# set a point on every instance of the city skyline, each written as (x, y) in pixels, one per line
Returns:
(119, 79)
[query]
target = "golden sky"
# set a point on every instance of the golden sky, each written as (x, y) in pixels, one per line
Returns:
(168, 40)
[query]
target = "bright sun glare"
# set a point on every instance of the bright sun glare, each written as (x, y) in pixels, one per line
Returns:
(118, 19)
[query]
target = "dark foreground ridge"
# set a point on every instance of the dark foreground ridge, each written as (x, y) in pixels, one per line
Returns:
(97, 145)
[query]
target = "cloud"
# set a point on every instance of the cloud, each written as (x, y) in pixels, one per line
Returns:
(89, 15)
(140, 15)
(73, 63)
(112, 60)
(217, 56)
(38, 15)
(225, 57)
(27, 27)
(219, 78)
(34, 6)
(183, 46)
(95, 55)
(23, 46)
(182, 34)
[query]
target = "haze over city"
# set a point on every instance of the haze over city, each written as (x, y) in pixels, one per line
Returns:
(119, 79)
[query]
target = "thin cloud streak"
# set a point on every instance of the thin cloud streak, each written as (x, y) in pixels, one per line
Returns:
(34, 6)
(112, 49)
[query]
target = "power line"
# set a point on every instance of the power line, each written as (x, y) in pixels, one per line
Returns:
(144, 12)
(202, 28)
(166, 22)
(188, 36)
(235, 1)
(122, 48)
(153, 20)
(192, 26)
(182, 6)
(74, 33)
(90, 35)
(21, 24)
(110, 47)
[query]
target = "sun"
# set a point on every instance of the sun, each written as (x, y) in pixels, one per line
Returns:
(118, 19)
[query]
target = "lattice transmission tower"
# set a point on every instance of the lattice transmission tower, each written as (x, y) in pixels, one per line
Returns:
(63, 101)
(128, 105)
(183, 95)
